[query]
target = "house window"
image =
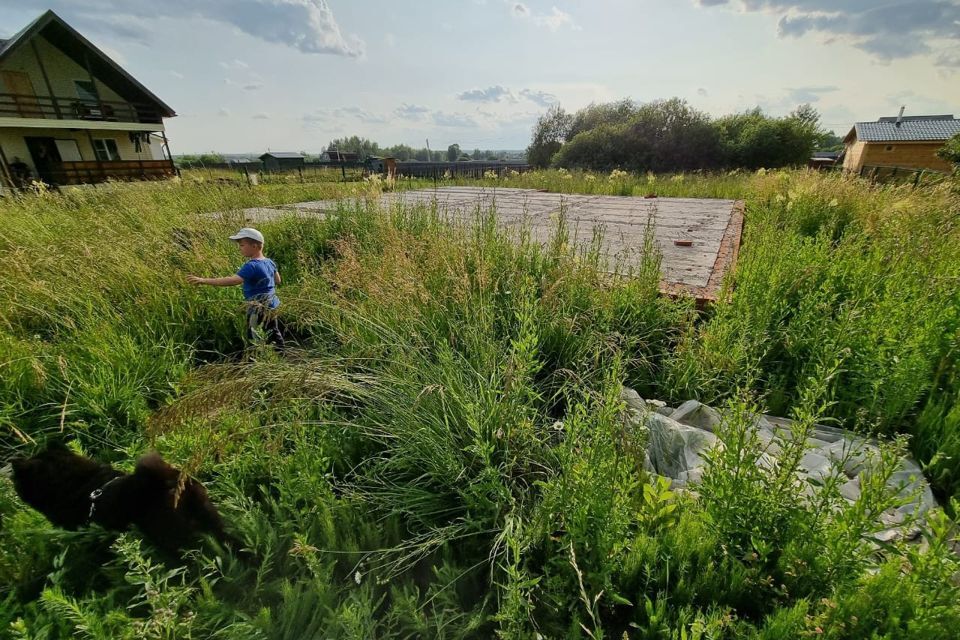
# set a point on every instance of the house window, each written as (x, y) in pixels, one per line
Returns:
(106, 149)
(85, 90)
(889, 147)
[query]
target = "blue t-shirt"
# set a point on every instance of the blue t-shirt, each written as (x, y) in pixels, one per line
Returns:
(259, 281)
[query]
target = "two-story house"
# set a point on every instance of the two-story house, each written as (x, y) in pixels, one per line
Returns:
(71, 115)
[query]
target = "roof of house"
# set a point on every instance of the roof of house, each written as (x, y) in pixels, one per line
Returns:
(64, 37)
(282, 154)
(910, 129)
(825, 155)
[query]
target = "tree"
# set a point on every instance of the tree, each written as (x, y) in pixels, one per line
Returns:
(753, 140)
(549, 134)
(951, 151)
(363, 147)
(829, 141)
(665, 135)
(453, 152)
(594, 115)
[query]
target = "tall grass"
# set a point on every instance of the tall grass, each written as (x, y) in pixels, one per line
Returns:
(443, 453)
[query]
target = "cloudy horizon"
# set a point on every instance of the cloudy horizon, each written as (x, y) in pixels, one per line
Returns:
(250, 75)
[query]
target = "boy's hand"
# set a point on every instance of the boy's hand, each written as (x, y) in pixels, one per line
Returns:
(195, 279)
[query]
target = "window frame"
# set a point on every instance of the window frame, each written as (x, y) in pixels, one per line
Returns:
(103, 152)
(85, 95)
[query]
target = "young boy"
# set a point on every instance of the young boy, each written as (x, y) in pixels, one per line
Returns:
(259, 277)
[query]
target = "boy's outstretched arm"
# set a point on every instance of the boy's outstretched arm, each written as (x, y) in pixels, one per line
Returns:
(228, 281)
(276, 277)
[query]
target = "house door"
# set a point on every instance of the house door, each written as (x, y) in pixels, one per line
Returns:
(46, 158)
(24, 97)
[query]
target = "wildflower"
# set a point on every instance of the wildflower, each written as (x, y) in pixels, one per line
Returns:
(513, 173)
(617, 174)
(677, 178)
(490, 175)
(590, 177)
(651, 178)
(761, 171)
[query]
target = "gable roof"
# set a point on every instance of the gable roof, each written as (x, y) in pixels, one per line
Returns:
(911, 129)
(69, 41)
(282, 154)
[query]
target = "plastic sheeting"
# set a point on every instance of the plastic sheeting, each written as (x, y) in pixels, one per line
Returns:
(678, 438)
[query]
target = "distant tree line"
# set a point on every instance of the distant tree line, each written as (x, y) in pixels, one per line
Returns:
(670, 135)
(193, 160)
(366, 148)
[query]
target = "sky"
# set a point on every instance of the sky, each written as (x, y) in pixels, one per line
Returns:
(290, 75)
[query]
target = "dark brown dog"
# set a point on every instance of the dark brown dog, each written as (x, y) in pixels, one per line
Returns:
(73, 491)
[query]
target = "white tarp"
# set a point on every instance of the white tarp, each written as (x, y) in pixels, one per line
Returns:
(678, 438)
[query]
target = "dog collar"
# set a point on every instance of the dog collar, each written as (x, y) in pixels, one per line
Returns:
(96, 493)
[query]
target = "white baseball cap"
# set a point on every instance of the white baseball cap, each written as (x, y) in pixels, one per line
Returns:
(248, 233)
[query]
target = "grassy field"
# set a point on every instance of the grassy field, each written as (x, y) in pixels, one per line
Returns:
(443, 454)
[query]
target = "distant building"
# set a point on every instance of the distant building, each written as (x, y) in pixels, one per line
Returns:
(823, 159)
(909, 142)
(281, 160)
(69, 114)
(339, 156)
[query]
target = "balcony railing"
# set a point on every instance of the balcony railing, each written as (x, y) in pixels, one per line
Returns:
(92, 171)
(18, 105)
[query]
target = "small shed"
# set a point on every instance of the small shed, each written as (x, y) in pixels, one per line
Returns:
(823, 159)
(909, 142)
(282, 160)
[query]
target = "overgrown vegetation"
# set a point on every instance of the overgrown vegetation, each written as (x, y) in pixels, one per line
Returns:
(445, 455)
(951, 150)
(670, 135)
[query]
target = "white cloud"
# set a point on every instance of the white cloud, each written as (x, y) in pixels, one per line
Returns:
(540, 98)
(552, 21)
(458, 120)
(261, 116)
(885, 30)
(799, 95)
(360, 114)
(521, 10)
(177, 75)
(343, 114)
(411, 111)
(234, 64)
(498, 93)
(224, 112)
(306, 25)
(490, 94)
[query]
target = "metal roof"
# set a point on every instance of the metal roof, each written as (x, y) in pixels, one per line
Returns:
(282, 154)
(911, 129)
(75, 46)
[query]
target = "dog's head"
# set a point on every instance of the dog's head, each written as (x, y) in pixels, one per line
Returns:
(56, 482)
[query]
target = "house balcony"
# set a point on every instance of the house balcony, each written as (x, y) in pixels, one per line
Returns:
(93, 171)
(61, 112)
